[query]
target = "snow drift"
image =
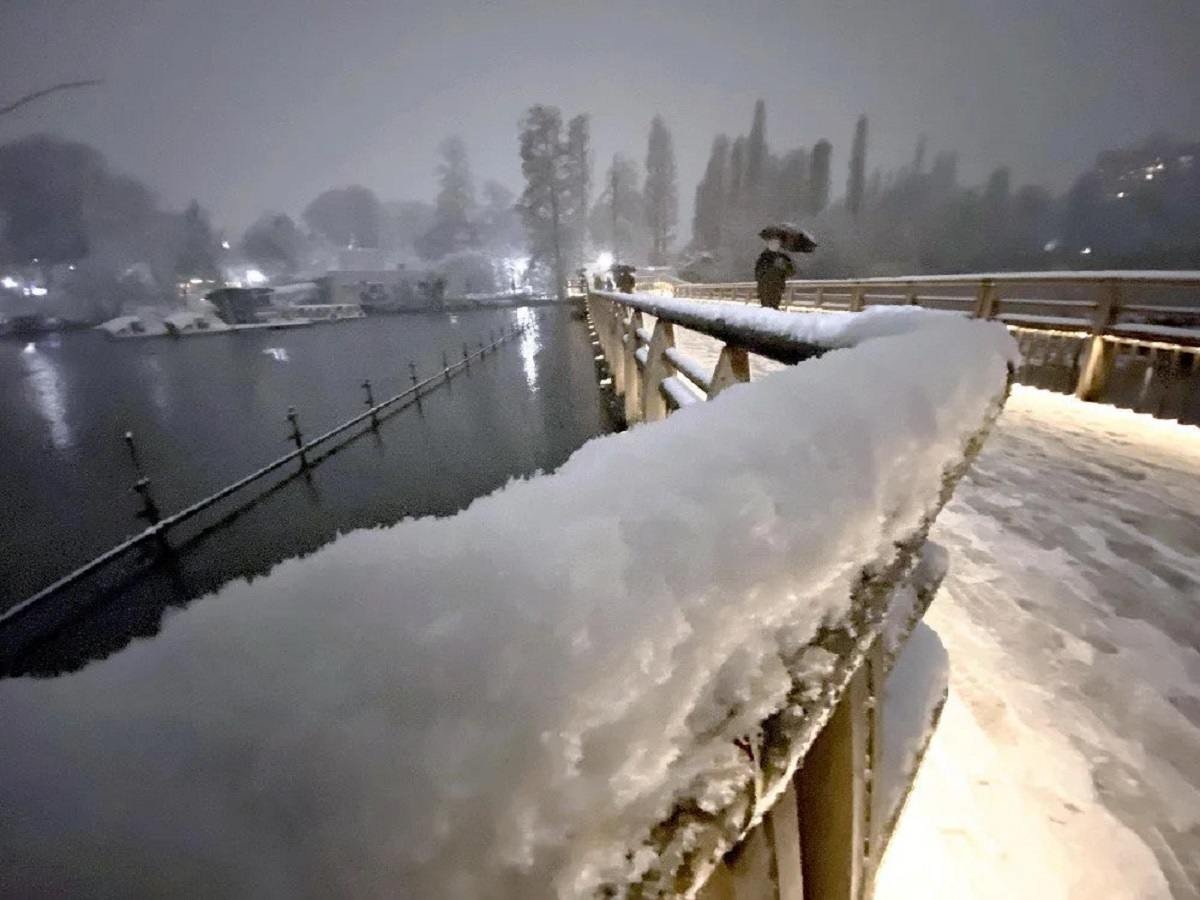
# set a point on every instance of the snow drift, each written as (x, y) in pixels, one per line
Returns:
(505, 702)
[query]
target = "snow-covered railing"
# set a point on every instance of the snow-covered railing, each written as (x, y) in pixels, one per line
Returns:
(833, 766)
(593, 682)
(1154, 315)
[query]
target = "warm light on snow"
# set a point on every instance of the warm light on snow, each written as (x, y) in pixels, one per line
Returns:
(1061, 767)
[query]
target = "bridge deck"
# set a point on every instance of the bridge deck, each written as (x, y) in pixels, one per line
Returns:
(1068, 760)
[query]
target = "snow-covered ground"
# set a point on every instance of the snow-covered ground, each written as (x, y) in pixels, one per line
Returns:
(1067, 761)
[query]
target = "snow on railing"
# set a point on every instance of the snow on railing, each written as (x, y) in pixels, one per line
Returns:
(594, 681)
(839, 758)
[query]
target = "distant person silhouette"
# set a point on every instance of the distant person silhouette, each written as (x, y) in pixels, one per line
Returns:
(772, 270)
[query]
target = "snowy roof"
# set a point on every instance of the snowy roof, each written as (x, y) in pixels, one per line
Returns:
(120, 323)
(509, 700)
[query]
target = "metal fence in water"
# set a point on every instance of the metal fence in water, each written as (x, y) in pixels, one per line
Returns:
(160, 525)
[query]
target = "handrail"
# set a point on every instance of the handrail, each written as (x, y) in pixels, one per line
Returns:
(653, 377)
(1101, 308)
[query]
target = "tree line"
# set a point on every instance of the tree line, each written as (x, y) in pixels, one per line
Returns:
(1135, 207)
(63, 207)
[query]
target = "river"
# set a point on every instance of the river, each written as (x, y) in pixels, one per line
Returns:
(206, 410)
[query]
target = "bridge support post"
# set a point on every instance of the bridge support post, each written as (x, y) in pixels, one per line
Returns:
(833, 791)
(613, 349)
(985, 300)
(632, 373)
(1101, 354)
(658, 368)
(733, 367)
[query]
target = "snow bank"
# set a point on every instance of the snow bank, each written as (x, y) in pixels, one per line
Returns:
(505, 702)
(912, 698)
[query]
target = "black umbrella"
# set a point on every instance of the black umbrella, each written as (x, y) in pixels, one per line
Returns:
(791, 237)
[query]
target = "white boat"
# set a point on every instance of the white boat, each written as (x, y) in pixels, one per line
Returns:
(126, 327)
(187, 323)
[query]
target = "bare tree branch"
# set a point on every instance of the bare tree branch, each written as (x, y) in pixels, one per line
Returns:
(29, 98)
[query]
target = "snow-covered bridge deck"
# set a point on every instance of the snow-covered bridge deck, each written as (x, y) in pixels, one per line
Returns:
(1068, 759)
(1067, 763)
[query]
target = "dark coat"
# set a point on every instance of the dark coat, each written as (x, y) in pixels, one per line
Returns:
(771, 270)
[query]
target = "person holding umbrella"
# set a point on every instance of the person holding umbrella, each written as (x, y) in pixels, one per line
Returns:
(773, 267)
(624, 278)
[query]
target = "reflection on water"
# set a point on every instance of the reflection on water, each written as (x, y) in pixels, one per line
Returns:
(531, 343)
(46, 388)
(279, 354)
(155, 378)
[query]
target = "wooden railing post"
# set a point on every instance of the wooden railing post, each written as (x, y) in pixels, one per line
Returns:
(615, 351)
(1101, 354)
(658, 368)
(733, 367)
(832, 793)
(985, 300)
(632, 375)
(857, 298)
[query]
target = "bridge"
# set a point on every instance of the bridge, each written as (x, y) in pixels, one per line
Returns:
(813, 762)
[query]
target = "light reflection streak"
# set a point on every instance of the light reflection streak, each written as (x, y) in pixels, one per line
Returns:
(46, 388)
(531, 343)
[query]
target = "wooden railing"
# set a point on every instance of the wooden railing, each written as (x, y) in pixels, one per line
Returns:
(823, 825)
(1089, 321)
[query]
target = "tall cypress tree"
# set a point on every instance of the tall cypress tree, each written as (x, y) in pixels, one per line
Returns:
(661, 198)
(791, 193)
(856, 182)
(756, 152)
(818, 176)
(710, 197)
(579, 185)
(737, 171)
(544, 200)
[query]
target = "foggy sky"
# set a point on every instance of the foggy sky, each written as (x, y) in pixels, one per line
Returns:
(252, 105)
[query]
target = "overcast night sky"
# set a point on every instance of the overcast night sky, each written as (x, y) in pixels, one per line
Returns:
(256, 105)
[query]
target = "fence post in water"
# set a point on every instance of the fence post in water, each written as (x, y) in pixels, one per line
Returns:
(141, 487)
(466, 356)
(445, 365)
(296, 436)
(370, 401)
(412, 373)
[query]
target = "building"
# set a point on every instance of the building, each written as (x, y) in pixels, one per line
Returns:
(380, 290)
